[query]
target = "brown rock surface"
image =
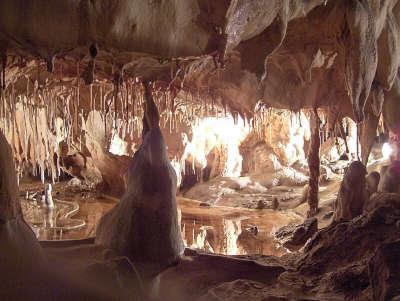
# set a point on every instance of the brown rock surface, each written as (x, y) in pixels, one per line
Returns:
(390, 178)
(293, 237)
(381, 199)
(318, 53)
(329, 249)
(384, 272)
(351, 195)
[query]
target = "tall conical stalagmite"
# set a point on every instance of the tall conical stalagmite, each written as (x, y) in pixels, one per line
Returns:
(144, 225)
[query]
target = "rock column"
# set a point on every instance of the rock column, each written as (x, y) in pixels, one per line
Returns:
(314, 163)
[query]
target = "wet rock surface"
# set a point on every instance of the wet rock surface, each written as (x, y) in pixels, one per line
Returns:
(293, 237)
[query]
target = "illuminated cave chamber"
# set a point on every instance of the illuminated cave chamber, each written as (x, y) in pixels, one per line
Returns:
(199, 150)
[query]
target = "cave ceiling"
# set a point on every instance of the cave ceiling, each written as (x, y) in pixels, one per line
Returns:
(342, 55)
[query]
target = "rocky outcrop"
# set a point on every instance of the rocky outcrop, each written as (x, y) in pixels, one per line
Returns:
(384, 272)
(380, 199)
(329, 249)
(337, 259)
(390, 178)
(372, 182)
(200, 274)
(293, 237)
(256, 159)
(351, 260)
(82, 167)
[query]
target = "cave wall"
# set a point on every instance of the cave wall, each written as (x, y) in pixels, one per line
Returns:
(316, 53)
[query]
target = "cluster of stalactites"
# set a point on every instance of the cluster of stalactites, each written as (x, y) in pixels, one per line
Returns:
(264, 117)
(46, 122)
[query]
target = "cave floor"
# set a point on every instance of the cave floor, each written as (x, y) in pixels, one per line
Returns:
(231, 227)
(250, 272)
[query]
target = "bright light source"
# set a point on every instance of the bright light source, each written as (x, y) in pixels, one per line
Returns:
(387, 150)
(118, 146)
(211, 132)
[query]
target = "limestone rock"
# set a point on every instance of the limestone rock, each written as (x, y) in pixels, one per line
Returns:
(332, 149)
(285, 133)
(241, 289)
(9, 204)
(390, 178)
(199, 274)
(257, 160)
(144, 225)
(372, 182)
(330, 248)
(381, 199)
(293, 237)
(81, 166)
(345, 280)
(384, 272)
(351, 195)
(216, 161)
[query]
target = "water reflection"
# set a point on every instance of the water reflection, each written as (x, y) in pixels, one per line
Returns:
(232, 231)
(219, 229)
(51, 223)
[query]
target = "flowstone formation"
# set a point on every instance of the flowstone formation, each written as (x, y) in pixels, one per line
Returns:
(144, 225)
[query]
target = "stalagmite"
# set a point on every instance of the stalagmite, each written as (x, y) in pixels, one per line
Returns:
(144, 225)
(352, 195)
(313, 163)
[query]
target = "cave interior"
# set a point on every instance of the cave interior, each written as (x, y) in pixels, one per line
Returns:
(200, 150)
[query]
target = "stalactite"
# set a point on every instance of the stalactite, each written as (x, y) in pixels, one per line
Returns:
(117, 84)
(101, 98)
(127, 95)
(76, 129)
(90, 97)
(314, 163)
